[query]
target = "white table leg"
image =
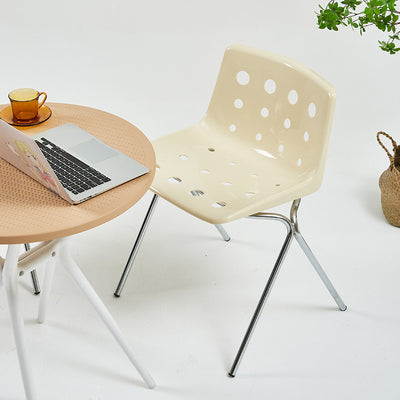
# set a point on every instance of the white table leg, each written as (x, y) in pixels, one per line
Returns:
(10, 278)
(46, 286)
(69, 264)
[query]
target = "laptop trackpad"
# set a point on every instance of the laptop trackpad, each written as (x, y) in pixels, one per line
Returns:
(94, 151)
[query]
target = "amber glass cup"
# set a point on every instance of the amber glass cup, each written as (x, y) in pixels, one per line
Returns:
(25, 104)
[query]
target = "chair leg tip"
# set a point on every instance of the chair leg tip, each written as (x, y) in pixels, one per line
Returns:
(117, 295)
(231, 375)
(36, 293)
(343, 308)
(151, 385)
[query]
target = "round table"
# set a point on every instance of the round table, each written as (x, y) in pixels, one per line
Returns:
(31, 213)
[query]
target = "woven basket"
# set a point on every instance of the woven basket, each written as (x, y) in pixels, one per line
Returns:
(389, 183)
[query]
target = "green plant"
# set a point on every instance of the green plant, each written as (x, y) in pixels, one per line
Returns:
(361, 14)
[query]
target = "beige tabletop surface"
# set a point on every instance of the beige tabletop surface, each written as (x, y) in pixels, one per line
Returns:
(29, 212)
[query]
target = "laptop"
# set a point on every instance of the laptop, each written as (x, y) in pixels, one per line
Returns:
(68, 160)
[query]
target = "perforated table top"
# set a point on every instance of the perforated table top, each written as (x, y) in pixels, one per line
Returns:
(29, 212)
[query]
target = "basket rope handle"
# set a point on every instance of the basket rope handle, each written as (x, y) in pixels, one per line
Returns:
(384, 148)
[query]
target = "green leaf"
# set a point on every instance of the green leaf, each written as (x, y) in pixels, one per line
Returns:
(360, 14)
(369, 14)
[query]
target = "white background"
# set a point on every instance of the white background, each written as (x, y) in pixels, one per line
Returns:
(191, 295)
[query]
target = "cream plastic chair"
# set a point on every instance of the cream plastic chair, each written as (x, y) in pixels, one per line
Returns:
(262, 143)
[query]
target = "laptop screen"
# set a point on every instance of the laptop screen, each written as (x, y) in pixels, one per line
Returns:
(21, 151)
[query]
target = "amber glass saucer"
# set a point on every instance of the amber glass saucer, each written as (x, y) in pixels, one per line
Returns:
(43, 115)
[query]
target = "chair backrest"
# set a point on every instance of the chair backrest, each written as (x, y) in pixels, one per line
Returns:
(275, 106)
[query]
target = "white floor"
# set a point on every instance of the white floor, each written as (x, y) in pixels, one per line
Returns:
(188, 303)
(190, 297)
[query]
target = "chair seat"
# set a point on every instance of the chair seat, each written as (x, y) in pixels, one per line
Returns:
(220, 181)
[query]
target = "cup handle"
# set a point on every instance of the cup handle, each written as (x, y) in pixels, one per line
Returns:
(45, 97)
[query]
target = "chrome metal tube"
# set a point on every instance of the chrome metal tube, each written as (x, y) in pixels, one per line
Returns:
(268, 287)
(312, 258)
(223, 233)
(35, 281)
(136, 246)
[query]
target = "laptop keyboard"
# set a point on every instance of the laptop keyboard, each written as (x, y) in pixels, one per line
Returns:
(74, 174)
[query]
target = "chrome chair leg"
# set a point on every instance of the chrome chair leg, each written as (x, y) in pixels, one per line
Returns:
(136, 246)
(312, 258)
(268, 287)
(35, 281)
(223, 233)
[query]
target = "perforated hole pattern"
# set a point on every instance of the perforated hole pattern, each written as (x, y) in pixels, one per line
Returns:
(293, 97)
(264, 112)
(270, 86)
(269, 114)
(174, 179)
(218, 204)
(312, 110)
(243, 78)
(238, 103)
